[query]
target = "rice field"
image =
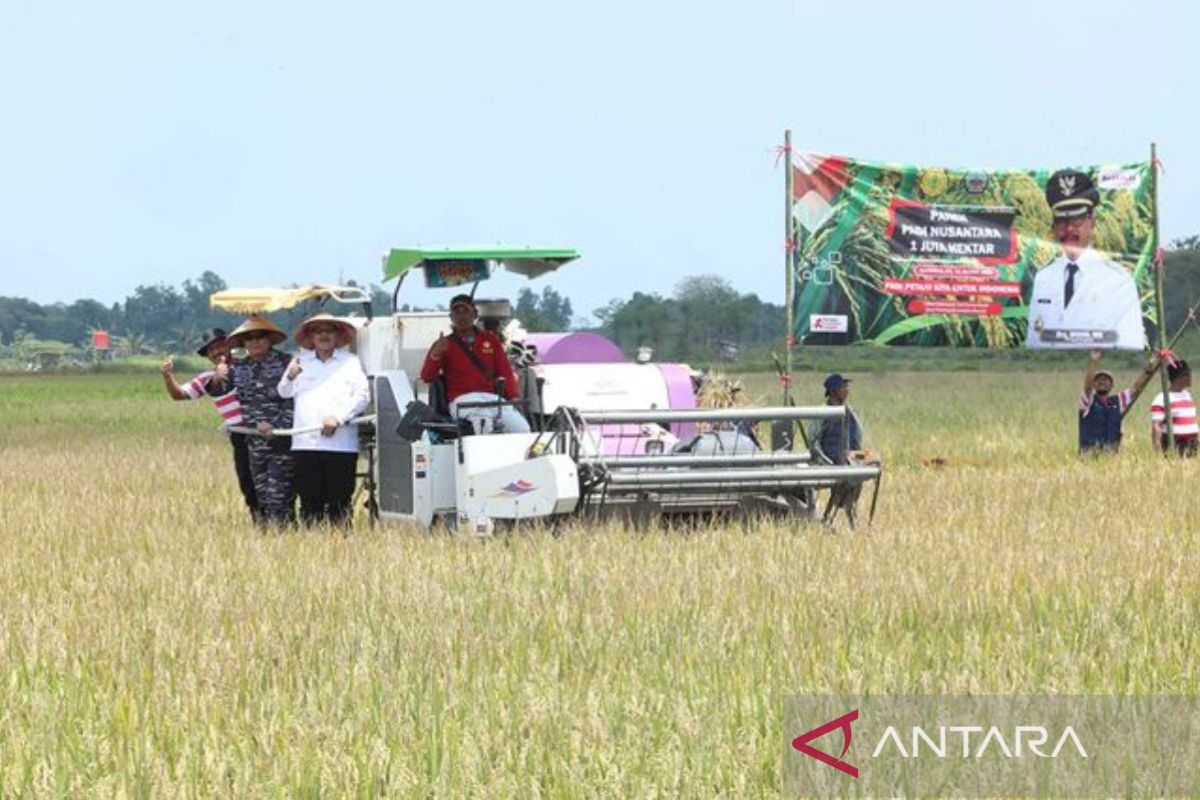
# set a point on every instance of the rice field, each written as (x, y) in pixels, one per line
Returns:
(156, 645)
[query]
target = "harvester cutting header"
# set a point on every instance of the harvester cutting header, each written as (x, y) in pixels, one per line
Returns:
(479, 422)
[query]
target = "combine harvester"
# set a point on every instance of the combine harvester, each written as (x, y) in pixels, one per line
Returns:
(608, 435)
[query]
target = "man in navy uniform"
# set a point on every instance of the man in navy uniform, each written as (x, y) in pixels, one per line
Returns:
(1081, 299)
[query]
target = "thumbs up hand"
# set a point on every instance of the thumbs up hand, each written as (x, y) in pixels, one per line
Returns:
(439, 347)
(294, 369)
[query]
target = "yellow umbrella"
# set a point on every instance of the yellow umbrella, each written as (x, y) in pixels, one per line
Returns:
(268, 299)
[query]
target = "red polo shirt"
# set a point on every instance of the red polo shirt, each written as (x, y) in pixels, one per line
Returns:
(462, 376)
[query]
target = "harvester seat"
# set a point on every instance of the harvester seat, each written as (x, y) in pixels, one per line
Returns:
(449, 426)
(434, 417)
(438, 399)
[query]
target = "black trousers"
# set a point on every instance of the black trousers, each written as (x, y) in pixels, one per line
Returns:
(325, 483)
(1185, 447)
(241, 465)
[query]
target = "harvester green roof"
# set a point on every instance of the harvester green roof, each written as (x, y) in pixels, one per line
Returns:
(528, 261)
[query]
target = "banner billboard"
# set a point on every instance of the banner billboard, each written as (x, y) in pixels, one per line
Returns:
(898, 254)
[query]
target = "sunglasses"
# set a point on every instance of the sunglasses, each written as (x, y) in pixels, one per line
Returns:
(255, 335)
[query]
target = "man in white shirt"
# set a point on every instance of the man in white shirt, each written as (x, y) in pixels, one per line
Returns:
(330, 389)
(1081, 299)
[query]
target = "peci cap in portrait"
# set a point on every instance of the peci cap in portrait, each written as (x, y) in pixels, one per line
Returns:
(1071, 193)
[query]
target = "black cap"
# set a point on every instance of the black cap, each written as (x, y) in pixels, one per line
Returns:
(208, 339)
(462, 298)
(1177, 369)
(834, 382)
(1071, 193)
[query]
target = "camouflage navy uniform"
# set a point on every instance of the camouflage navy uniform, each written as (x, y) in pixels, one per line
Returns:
(270, 459)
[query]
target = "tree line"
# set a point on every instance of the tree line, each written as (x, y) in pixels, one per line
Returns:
(159, 318)
(154, 318)
(704, 318)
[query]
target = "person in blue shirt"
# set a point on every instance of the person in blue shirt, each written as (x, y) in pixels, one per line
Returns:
(1101, 411)
(832, 441)
(826, 435)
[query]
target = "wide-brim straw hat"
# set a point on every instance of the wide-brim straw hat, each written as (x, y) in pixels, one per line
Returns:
(257, 323)
(304, 339)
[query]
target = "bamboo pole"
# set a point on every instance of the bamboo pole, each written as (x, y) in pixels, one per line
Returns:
(1156, 361)
(1159, 267)
(789, 251)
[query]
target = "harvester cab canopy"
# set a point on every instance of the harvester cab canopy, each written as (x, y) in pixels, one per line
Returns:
(446, 267)
(455, 266)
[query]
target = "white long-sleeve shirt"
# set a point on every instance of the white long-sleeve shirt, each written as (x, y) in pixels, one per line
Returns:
(336, 387)
(1105, 303)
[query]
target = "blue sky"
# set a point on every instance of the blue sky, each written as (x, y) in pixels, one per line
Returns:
(273, 142)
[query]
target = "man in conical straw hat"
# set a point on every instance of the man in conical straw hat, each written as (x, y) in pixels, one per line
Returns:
(330, 389)
(255, 380)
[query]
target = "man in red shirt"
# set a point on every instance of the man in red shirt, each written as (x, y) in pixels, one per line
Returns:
(476, 369)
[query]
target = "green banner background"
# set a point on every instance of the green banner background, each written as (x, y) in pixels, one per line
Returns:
(842, 255)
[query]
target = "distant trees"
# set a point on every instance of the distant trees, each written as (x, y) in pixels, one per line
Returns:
(82, 317)
(1181, 281)
(158, 310)
(704, 318)
(155, 317)
(62, 322)
(18, 315)
(549, 312)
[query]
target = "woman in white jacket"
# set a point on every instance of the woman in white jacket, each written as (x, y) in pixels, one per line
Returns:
(330, 389)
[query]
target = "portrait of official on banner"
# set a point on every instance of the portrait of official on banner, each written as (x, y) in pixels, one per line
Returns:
(1057, 258)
